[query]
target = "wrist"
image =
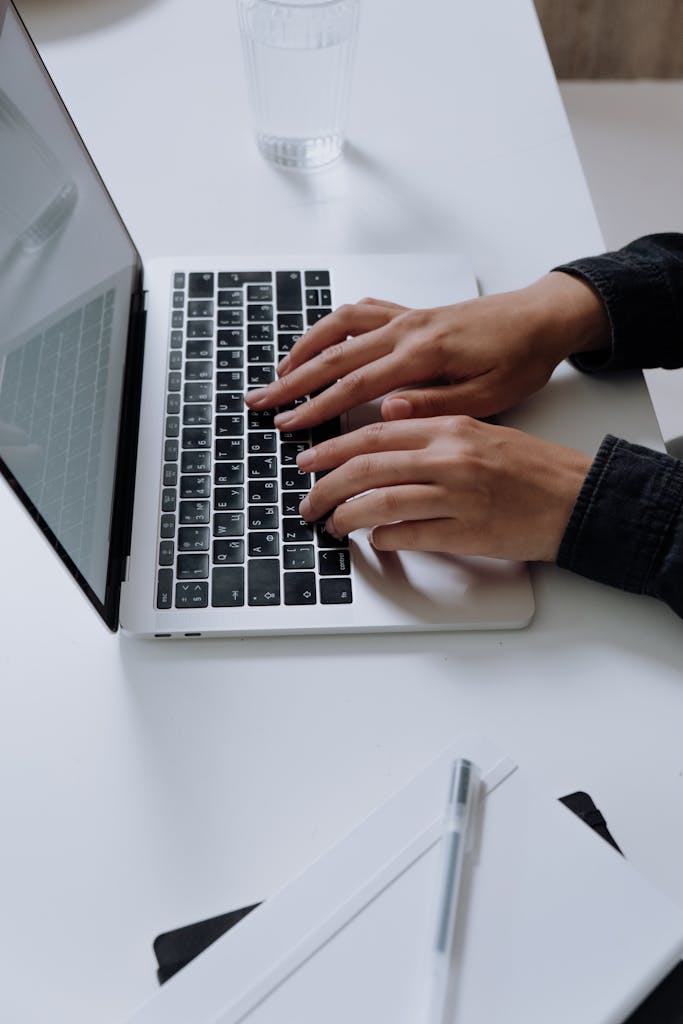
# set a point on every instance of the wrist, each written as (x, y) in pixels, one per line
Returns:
(571, 316)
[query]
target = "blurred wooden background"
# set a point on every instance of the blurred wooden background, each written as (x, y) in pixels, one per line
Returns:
(618, 39)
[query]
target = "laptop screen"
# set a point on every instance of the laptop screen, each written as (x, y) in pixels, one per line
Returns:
(67, 273)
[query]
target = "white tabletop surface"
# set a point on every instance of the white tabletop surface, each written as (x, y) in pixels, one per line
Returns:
(148, 784)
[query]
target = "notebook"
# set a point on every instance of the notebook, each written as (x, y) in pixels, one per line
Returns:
(556, 924)
(123, 428)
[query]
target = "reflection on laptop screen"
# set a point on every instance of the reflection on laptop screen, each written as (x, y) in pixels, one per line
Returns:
(67, 271)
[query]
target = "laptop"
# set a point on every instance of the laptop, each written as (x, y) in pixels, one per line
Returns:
(123, 428)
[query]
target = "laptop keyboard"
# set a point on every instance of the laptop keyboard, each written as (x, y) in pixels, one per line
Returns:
(230, 533)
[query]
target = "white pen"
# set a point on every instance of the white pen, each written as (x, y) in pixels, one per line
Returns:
(457, 842)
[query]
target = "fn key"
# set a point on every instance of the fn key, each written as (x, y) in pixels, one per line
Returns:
(263, 576)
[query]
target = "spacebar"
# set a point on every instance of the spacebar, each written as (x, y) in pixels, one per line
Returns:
(264, 581)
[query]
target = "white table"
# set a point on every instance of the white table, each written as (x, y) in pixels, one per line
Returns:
(148, 784)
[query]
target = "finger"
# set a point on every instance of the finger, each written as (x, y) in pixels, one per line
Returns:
(381, 506)
(328, 366)
(344, 321)
(368, 300)
(375, 437)
(443, 535)
(363, 473)
(471, 397)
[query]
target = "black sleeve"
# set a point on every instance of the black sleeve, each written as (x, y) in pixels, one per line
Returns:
(641, 287)
(626, 528)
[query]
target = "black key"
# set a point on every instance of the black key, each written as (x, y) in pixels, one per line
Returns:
(262, 420)
(193, 567)
(313, 315)
(166, 552)
(173, 404)
(334, 563)
(200, 328)
(194, 513)
(195, 486)
(295, 435)
(165, 588)
(229, 448)
(177, 318)
(291, 502)
(325, 297)
(296, 530)
(193, 538)
(299, 556)
(260, 313)
(198, 391)
(317, 278)
(259, 376)
(336, 591)
(176, 339)
(289, 452)
(261, 466)
(286, 342)
(260, 332)
(199, 348)
(228, 473)
(230, 339)
(227, 587)
(198, 461)
(228, 499)
(262, 443)
(229, 401)
(299, 588)
(230, 318)
(229, 380)
(261, 353)
(234, 280)
(178, 300)
(171, 474)
(229, 359)
(288, 285)
(228, 552)
(196, 370)
(312, 297)
(262, 492)
(167, 526)
(168, 499)
(263, 517)
(259, 293)
(197, 415)
(229, 426)
(228, 524)
(264, 581)
(200, 308)
(175, 360)
(325, 431)
(179, 280)
(326, 540)
(196, 437)
(174, 380)
(192, 595)
(263, 544)
(293, 479)
(290, 322)
(201, 286)
(231, 297)
(172, 426)
(170, 451)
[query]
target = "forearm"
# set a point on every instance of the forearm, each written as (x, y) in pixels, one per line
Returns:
(626, 528)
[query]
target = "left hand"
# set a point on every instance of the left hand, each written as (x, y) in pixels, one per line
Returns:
(451, 484)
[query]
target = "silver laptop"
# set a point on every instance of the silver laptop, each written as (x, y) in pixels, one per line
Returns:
(123, 428)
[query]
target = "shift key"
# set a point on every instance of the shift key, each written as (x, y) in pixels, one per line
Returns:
(264, 581)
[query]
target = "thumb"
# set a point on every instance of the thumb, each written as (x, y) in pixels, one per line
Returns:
(449, 400)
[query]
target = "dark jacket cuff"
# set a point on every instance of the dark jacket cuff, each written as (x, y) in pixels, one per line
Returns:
(626, 528)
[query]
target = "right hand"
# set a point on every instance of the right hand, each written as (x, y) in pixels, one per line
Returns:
(479, 357)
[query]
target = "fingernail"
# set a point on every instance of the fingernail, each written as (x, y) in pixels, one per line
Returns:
(331, 530)
(305, 509)
(397, 409)
(306, 458)
(283, 419)
(282, 366)
(255, 398)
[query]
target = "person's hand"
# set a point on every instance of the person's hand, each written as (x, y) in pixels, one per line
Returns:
(479, 357)
(450, 484)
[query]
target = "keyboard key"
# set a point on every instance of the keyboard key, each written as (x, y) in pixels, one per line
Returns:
(225, 473)
(325, 297)
(167, 526)
(336, 591)
(229, 380)
(288, 285)
(193, 538)
(334, 563)
(196, 437)
(228, 552)
(300, 588)
(193, 567)
(165, 589)
(293, 479)
(176, 339)
(200, 328)
(231, 297)
(263, 420)
(192, 595)
(326, 540)
(262, 492)
(259, 293)
(229, 401)
(260, 332)
(178, 300)
(170, 451)
(195, 486)
(291, 502)
(227, 587)
(263, 517)
(230, 339)
(172, 426)
(198, 370)
(175, 360)
(198, 391)
(290, 322)
(228, 499)
(234, 280)
(229, 359)
(286, 342)
(289, 452)
(166, 552)
(201, 286)
(229, 426)
(313, 315)
(199, 308)
(197, 415)
(299, 556)
(168, 499)
(174, 380)
(259, 376)
(228, 524)
(264, 581)
(229, 448)
(261, 353)
(312, 297)
(194, 512)
(317, 278)
(179, 280)
(199, 348)
(196, 462)
(260, 313)
(229, 318)
(177, 318)
(262, 544)
(173, 404)
(170, 478)
(262, 443)
(296, 530)
(262, 466)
